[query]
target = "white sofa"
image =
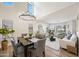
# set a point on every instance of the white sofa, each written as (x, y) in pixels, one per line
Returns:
(68, 42)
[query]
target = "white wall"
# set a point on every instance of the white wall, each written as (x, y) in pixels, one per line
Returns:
(20, 26)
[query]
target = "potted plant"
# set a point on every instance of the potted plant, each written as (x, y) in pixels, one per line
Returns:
(30, 34)
(5, 32)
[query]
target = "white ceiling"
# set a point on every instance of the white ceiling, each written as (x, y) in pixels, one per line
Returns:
(17, 7)
(45, 11)
(44, 8)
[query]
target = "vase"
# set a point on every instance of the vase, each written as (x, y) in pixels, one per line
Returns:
(4, 44)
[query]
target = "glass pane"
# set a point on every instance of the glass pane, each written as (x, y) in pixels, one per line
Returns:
(30, 8)
(7, 3)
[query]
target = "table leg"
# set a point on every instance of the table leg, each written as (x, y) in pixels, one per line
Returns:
(25, 51)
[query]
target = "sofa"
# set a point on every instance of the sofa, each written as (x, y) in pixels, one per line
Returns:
(68, 42)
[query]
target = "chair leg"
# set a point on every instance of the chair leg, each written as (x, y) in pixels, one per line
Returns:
(14, 55)
(29, 54)
(44, 53)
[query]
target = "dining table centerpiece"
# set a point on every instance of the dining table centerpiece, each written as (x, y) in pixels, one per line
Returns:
(30, 35)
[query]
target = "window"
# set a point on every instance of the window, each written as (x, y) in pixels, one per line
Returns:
(8, 3)
(30, 7)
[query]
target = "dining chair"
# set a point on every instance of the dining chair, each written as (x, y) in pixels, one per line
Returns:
(39, 49)
(17, 50)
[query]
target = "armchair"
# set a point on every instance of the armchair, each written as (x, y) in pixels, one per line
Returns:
(39, 50)
(17, 49)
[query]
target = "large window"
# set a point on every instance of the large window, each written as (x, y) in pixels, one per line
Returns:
(30, 7)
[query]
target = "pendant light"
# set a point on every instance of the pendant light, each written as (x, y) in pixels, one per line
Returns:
(27, 16)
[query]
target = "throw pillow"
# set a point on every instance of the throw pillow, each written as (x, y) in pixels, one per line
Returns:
(69, 36)
(73, 38)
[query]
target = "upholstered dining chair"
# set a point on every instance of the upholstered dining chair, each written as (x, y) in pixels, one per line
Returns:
(17, 50)
(39, 49)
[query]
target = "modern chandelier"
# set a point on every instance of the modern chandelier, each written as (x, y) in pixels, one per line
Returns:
(28, 15)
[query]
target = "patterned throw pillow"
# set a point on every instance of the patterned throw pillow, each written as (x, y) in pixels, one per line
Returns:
(69, 36)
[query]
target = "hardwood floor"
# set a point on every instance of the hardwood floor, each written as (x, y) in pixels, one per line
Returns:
(61, 53)
(49, 52)
(6, 53)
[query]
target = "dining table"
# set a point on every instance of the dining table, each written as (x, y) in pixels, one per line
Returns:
(26, 43)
